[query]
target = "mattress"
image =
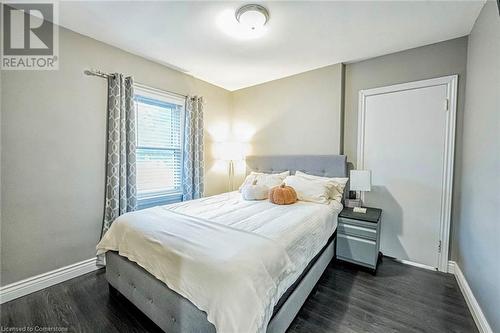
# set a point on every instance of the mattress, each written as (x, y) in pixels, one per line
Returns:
(306, 270)
(301, 229)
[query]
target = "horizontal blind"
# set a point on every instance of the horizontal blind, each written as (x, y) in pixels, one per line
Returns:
(159, 146)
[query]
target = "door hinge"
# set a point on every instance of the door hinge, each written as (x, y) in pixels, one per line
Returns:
(446, 104)
(439, 247)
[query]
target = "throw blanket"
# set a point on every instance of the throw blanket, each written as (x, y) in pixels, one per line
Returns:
(231, 274)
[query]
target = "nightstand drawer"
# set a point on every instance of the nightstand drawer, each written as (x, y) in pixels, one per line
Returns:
(356, 230)
(361, 223)
(358, 250)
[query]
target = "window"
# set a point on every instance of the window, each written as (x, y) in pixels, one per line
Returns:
(160, 119)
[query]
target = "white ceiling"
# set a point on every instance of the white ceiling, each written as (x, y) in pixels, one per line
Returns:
(300, 36)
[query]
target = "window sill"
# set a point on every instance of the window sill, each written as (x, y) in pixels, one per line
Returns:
(159, 200)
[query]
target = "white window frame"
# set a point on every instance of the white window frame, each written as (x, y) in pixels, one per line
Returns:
(161, 95)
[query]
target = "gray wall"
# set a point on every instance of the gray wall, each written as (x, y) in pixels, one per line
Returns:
(294, 115)
(477, 227)
(426, 62)
(53, 149)
(299, 114)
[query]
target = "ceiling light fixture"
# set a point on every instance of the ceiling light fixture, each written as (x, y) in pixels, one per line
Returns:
(252, 16)
(248, 22)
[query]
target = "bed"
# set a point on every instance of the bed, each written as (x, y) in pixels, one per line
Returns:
(303, 232)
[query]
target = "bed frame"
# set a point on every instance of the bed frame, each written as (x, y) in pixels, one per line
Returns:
(174, 313)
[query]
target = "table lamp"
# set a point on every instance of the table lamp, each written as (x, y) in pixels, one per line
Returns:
(360, 180)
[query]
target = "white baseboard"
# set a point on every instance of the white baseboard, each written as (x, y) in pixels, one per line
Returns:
(416, 264)
(38, 282)
(475, 309)
(451, 267)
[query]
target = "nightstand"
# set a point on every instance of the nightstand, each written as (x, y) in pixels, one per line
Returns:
(358, 237)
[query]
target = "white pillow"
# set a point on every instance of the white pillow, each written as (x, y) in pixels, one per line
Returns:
(267, 179)
(336, 185)
(255, 192)
(309, 189)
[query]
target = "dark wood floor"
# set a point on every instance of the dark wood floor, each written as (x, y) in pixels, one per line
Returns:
(399, 298)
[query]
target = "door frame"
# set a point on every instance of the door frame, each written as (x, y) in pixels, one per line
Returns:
(450, 107)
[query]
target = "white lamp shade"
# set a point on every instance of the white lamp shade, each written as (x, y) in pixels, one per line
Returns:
(230, 151)
(360, 180)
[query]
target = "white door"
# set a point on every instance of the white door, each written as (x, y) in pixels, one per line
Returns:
(406, 140)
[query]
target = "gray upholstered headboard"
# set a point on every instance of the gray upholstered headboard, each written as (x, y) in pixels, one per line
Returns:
(319, 165)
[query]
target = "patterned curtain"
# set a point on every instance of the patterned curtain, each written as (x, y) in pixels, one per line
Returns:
(120, 163)
(192, 187)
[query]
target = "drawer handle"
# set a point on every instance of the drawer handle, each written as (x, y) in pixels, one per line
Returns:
(357, 239)
(359, 228)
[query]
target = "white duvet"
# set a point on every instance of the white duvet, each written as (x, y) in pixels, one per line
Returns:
(231, 258)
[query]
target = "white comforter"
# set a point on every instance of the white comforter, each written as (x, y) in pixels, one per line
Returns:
(231, 258)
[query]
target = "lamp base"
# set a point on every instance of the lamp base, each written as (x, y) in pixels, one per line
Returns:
(231, 175)
(351, 203)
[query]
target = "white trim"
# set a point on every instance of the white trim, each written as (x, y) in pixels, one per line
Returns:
(416, 264)
(475, 309)
(38, 282)
(155, 92)
(449, 149)
(169, 97)
(451, 267)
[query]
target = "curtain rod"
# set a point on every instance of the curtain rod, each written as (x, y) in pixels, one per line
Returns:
(94, 72)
